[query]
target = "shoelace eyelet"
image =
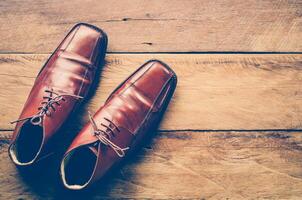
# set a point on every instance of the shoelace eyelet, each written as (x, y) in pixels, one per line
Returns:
(53, 99)
(105, 138)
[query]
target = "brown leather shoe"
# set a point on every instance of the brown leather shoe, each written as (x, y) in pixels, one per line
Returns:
(59, 87)
(129, 113)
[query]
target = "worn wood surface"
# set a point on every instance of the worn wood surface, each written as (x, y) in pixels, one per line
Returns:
(215, 92)
(225, 92)
(233, 129)
(156, 26)
(188, 165)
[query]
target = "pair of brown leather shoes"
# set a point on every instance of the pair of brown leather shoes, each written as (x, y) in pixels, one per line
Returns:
(130, 112)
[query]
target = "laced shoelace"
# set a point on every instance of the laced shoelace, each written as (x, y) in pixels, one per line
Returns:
(105, 137)
(47, 105)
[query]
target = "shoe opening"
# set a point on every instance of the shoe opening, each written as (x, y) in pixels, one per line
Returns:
(77, 167)
(27, 145)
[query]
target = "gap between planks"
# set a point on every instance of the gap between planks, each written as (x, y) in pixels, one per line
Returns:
(179, 52)
(7, 134)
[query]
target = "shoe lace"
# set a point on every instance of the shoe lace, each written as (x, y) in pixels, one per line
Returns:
(104, 137)
(47, 105)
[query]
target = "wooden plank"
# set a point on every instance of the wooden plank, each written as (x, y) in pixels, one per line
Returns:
(156, 26)
(215, 92)
(5, 135)
(185, 165)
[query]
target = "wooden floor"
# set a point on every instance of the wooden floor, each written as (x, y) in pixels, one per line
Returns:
(233, 129)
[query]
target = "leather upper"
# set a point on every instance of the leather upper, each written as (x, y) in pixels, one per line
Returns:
(71, 70)
(129, 113)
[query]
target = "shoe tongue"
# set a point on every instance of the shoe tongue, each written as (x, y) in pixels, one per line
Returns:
(94, 148)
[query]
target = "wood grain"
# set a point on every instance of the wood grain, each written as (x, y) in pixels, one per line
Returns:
(215, 92)
(184, 165)
(156, 26)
